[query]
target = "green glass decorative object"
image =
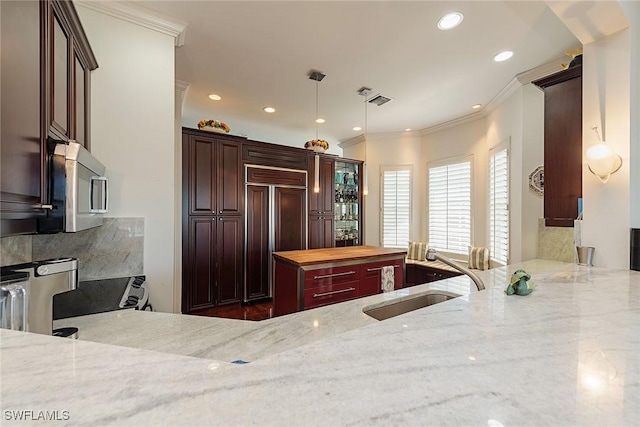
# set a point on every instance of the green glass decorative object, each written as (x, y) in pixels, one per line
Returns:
(518, 284)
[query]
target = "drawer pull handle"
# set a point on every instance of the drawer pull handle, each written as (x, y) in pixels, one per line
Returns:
(325, 276)
(341, 291)
(378, 268)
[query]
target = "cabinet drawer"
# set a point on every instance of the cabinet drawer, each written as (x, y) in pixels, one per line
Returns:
(371, 276)
(330, 276)
(330, 294)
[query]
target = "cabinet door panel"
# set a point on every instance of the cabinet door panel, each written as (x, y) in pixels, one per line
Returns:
(229, 259)
(322, 202)
(80, 116)
(230, 180)
(290, 219)
(21, 178)
(59, 75)
(257, 255)
(202, 235)
(201, 175)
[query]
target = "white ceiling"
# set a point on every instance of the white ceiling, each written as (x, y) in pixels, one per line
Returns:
(259, 53)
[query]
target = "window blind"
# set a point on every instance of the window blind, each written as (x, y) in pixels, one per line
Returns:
(450, 207)
(499, 205)
(396, 207)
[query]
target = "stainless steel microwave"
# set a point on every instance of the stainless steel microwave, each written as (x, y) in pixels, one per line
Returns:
(78, 190)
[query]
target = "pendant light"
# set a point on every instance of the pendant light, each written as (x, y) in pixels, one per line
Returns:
(602, 161)
(364, 91)
(317, 76)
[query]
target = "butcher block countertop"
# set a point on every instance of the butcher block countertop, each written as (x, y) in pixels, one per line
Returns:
(319, 256)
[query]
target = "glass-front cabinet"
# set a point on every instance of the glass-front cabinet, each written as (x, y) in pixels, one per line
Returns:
(348, 220)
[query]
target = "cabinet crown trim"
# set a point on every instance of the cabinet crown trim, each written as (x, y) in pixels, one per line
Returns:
(141, 16)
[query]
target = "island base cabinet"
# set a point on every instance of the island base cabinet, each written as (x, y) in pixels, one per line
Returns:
(301, 287)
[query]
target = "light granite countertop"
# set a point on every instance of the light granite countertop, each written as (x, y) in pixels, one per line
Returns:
(568, 354)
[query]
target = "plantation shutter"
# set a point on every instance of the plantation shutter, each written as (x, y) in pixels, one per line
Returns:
(396, 206)
(499, 205)
(450, 207)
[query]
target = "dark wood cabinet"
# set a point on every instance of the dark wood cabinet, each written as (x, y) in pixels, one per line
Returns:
(214, 269)
(213, 221)
(215, 177)
(562, 145)
(321, 216)
(321, 232)
(69, 60)
(321, 203)
(40, 42)
(258, 251)
(418, 274)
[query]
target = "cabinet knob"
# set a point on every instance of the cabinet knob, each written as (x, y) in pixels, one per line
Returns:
(219, 211)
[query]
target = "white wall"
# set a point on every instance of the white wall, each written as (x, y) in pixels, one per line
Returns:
(520, 120)
(466, 139)
(132, 132)
(606, 104)
(387, 150)
(632, 11)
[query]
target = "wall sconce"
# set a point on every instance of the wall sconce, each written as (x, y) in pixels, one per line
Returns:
(602, 161)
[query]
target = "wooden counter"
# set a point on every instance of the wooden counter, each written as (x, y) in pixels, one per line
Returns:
(311, 278)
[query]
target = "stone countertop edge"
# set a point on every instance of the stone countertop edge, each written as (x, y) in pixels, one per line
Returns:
(568, 354)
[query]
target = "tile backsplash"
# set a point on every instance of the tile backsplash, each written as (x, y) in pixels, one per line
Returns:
(15, 250)
(116, 249)
(556, 243)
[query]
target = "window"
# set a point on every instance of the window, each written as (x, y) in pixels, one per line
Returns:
(396, 206)
(499, 203)
(450, 206)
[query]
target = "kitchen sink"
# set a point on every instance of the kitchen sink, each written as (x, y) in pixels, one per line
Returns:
(396, 308)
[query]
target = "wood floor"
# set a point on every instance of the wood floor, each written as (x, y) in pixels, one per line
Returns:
(255, 311)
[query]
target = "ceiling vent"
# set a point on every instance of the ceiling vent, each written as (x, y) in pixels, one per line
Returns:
(380, 100)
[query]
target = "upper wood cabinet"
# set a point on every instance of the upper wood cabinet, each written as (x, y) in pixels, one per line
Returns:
(69, 60)
(215, 175)
(322, 202)
(562, 145)
(45, 73)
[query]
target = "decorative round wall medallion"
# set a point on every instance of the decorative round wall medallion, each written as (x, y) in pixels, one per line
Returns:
(536, 181)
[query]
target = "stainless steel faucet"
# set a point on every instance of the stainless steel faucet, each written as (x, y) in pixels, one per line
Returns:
(432, 255)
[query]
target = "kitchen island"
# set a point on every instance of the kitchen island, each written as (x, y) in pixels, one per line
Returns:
(568, 354)
(312, 278)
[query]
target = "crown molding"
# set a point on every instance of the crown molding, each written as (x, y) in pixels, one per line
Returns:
(352, 141)
(516, 83)
(182, 86)
(541, 71)
(140, 16)
(453, 123)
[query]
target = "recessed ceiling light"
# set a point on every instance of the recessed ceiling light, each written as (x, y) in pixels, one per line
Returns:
(319, 120)
(215, 97)
(357, 128)
(475, 107)
(450, 20)
(407, 130)
(503, 56)
(269, 110)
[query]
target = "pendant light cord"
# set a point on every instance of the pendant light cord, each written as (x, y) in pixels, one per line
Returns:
(316, 120)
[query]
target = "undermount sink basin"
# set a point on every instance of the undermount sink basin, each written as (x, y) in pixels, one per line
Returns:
(407, 305)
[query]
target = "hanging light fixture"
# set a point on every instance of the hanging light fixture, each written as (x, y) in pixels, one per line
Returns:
(602, 161)
(317, 76)
(364, 91)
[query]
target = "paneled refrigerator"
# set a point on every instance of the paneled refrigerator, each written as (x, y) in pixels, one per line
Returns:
(276, 220)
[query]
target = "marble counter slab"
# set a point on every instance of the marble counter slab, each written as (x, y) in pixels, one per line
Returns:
(568, 354)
